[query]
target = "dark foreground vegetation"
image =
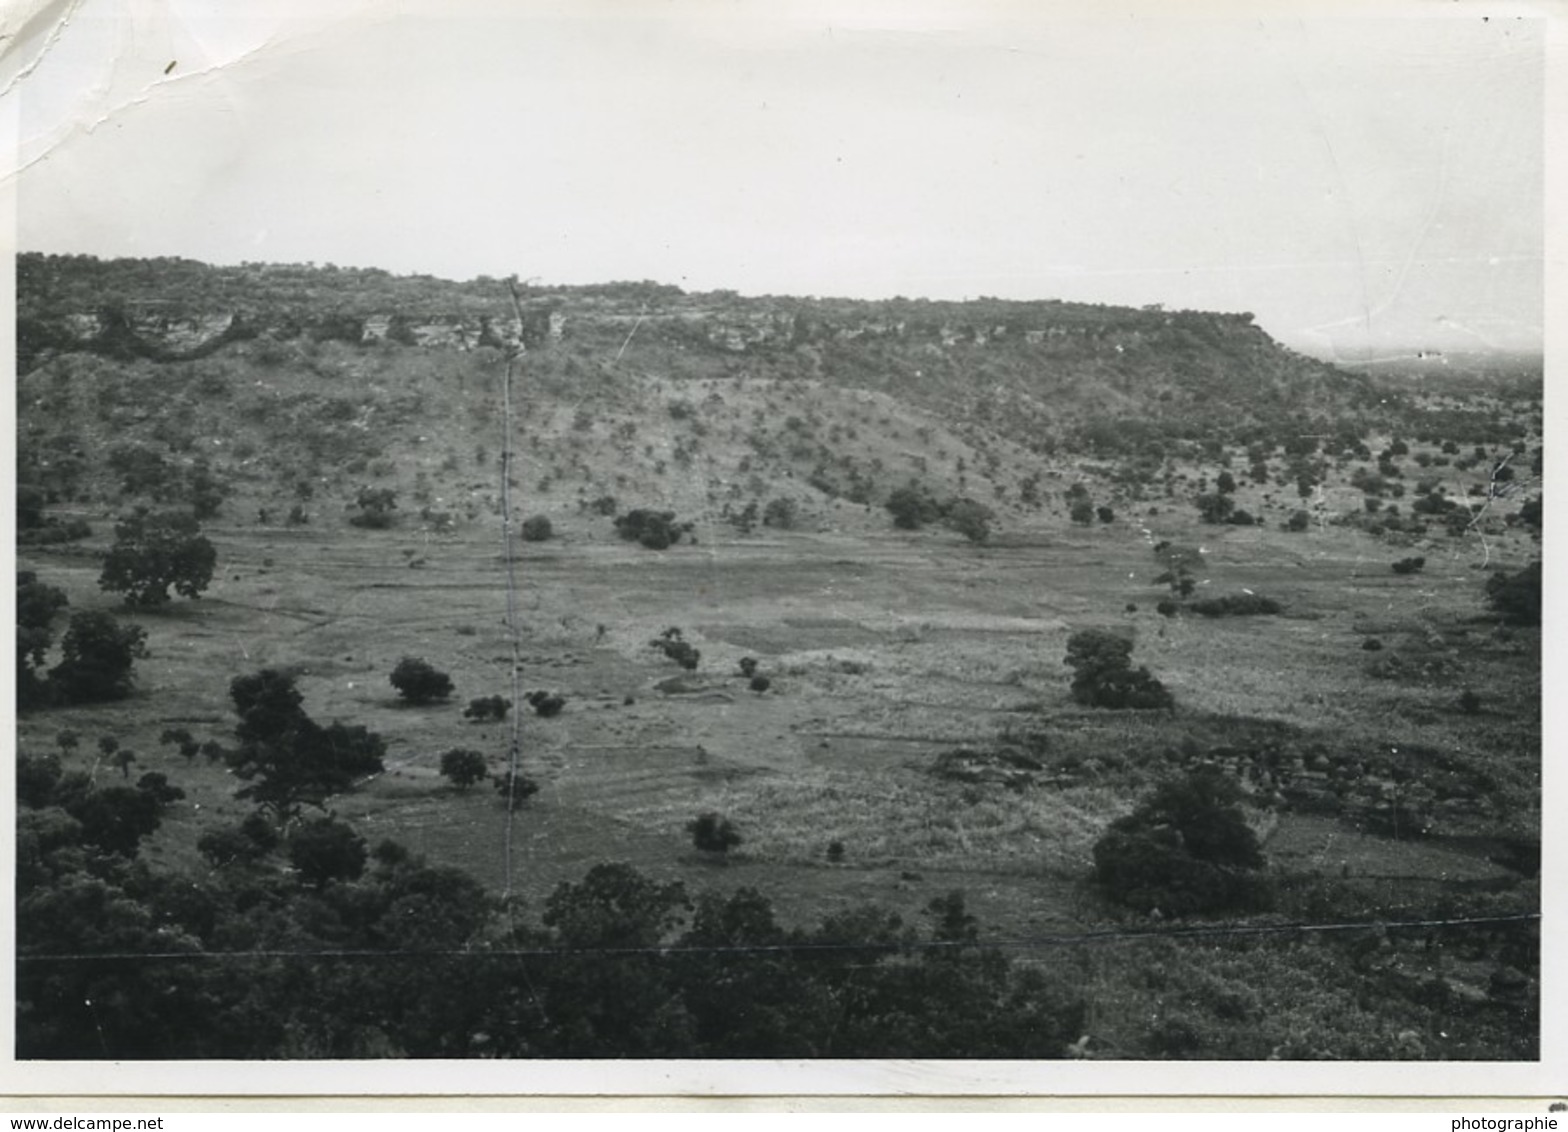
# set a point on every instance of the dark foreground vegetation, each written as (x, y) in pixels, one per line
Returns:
(307, 943)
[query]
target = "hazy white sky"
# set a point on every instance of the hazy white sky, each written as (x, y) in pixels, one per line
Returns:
(1359, 183)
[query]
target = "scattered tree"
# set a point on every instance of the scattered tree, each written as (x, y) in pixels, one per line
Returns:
(1517, 596)
(970, 519)
(153, 552)
(682, 652)
(1104, 676)
(780, 513)
(464, 767)
(515, 789)
(288, 759)
(1214, 507)
(912, 507)
(375, 506)
(419, 682)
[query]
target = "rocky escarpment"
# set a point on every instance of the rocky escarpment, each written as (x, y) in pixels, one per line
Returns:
(1099, 375)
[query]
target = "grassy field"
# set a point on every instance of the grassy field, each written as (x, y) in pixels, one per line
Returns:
(885, 650)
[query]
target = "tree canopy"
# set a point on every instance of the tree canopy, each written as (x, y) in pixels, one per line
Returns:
(288, 759)
(155, 551)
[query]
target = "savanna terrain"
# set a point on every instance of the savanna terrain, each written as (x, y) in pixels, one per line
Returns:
(887, 525)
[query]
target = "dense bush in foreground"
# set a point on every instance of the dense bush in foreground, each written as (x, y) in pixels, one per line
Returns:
(354, 953)
(1517, 596)
(1187, 849)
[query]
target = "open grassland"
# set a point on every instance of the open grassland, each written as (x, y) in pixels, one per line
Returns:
(884, 651)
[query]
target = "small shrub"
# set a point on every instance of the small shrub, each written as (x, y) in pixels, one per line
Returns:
(1470, 702)
(1298, 521)
(546, 705)
(537, 528)
(678, 650)
(1409, 565)
(375, 507)
(748, 666)
(760, 684)
(1372, 644)
(1215, 507)
(780, 513)
(486, 709)
(1237, 605)
(713, 833)
(515, 789)
(835, 852)
(656, 530)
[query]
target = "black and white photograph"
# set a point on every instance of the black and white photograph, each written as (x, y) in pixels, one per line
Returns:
(1002, 538)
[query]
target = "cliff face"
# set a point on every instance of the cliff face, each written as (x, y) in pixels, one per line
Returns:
(1005, 364)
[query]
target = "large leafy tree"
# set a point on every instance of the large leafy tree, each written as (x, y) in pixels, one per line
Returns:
(1187, 848)
(289, 760)
(98, 655)
(1104, 676)
(153, 552)
(611, 992)
(420, 682)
